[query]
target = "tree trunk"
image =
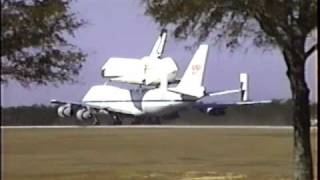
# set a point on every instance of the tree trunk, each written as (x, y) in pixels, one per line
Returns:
(301, 115)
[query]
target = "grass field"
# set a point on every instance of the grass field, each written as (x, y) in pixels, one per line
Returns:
(111, 154)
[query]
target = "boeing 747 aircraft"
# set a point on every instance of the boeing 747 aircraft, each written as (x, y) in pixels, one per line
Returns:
(150, 103)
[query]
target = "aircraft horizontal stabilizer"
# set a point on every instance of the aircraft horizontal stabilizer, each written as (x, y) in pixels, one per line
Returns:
(219, 93)
(218, 108)
(243, 90)
(253, 102)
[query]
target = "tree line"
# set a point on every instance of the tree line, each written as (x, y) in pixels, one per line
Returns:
(276, 113)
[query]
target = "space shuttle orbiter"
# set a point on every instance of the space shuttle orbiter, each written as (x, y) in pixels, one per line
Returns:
(147, 70)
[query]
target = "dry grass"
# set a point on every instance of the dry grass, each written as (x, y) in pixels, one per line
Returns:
(159, 154)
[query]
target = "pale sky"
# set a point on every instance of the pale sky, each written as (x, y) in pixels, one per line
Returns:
(119, 28)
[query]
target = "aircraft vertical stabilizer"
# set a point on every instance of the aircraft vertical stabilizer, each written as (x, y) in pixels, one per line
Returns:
(244, 86)
(158, 47)
(191, 82)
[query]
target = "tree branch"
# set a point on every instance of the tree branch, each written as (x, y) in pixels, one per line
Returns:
(311, 50)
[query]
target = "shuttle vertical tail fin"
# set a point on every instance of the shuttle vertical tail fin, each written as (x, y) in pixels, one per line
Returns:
(191, 82)
(158, 47)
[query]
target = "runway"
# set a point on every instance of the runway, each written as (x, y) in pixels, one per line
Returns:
(151, 127)
(153, 151)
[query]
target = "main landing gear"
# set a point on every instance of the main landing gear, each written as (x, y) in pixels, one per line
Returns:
(135, 120)
(116, 120)
(96, 121)
(146, 120)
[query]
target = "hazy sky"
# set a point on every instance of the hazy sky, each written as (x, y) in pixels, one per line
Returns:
(119, 28)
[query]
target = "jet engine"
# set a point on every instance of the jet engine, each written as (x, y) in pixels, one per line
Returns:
(215, 111)
(83, 114)
(64, 111)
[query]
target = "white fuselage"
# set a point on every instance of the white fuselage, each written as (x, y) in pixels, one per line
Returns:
(135, 102)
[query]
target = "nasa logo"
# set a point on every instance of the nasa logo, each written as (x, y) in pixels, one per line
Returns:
(195, 68)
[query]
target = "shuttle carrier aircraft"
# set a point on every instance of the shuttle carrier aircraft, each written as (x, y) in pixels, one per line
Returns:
(150, 104)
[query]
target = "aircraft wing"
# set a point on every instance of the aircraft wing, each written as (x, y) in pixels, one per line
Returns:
(54, 101)
(75, 104)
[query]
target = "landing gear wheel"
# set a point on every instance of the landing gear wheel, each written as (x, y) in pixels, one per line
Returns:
(96, 121)
(136, 121)
(157, 120)
(116, 120)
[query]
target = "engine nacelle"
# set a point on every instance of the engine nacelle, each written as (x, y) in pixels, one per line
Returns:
(83, 114)
(215, 111)
(64, 111)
